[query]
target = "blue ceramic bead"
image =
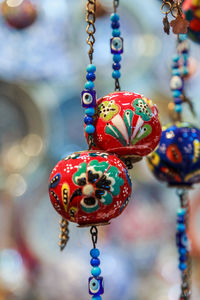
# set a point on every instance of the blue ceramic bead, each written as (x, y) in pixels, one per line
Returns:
(115, 25)
(181, 227)
(95, 262)
(177, 101)
(96, 298)
(116, 33)
(88, 120)
(91, 68)
(182, 266)
(182, 251)
(114, 17)
(117, 58)
(185, 71)
(176, 58)
(176, 72)
(90, 111)
(181, 219)
(116, 66)
(116, 74)
(96, 271)
(89, 85)
(89, 129)
(90, 76)
(96, 286)
(176, 93)
(185, 56)
(183, 258)
(181, 211)
(178, 108)
(95, 253)
(182, 37)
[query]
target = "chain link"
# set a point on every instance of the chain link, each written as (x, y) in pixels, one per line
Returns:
(90, 29)
(115, 5)
(64, 233)
(94, 234)
(117, 85)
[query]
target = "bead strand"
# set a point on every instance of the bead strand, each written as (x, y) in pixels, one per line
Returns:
(116, 48)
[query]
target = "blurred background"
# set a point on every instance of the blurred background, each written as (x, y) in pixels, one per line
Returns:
(43, 56)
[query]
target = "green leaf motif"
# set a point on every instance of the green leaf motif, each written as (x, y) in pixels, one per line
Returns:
(99, 166)
(128, 117)
(143, 132)
(142, 109)
(114, 132)
(80, 173)
(117, 181)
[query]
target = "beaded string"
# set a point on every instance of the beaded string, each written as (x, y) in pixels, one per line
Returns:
(183, 245)
(95, 283)
(179, 72)
(116, 45)
(88, 95)
(64, 233)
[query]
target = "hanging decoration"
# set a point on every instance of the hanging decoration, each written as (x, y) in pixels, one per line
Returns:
(191, 9)
(19, 14)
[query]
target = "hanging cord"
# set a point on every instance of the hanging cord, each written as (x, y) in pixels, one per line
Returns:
(183, 245)
(90, 29)
(94, 235)
(64, 233)
(115, 5)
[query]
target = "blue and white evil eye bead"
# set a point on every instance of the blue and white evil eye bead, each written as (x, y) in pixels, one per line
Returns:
(176, 83)
(88, 98)
(116, 45)
(95, 286)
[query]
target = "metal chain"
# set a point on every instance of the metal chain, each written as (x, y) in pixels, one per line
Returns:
(90, 29)
(94, 234)
(115, 5)
(187, 274)
(64, 233)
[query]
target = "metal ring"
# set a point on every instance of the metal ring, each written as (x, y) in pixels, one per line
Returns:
(167, 11)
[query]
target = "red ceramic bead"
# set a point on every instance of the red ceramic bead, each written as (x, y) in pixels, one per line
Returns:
(126, 124)
(191, 10)
(90, 187)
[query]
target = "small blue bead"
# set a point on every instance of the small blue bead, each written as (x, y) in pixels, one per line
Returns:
(185, 56)
(116, 66)
(176, 93)
(90, 111)
(178, 108)
(91, 68)
(95, 262)
(183, 258)
(182, 266)
(114, 17)
(95, 253)
(182, 37)
(116, 74)
(96, 271)
(89, 129)
(181, 219)
(185, 71)
(89, 85)
(116, 33)
(96, 298)
(177, 101)
(176, 58)
(115, 25)
(88, 120)
(182, 251)
(117, 58)
(181, 227)
(181, 211)
(90, 76)
(176, 72)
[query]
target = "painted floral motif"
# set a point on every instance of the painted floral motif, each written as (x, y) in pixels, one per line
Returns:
(142, 109)
(98, 183)
(72, 156)
(107, 110)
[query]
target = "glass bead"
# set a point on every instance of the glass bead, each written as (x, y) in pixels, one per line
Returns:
(116, 33)
(181, 227)
(182, 266)
(182, 37)
(117, 58)
(176, 93)
(96, 286)
(88, 120)
(88, 98)
(178, 108)
(177, 101)
(176, 72)
(176, 58)
(183, 257)
(91, 68)
(116, 74)
(114, 17)
(95, 253)
(90, 76)
(96, 271)
(89, 129)
(181, 211)
(116, 66)
(96, 298)
(89, 85)
(115, 25)
(90, 111)
(182, 251)
(95, 262)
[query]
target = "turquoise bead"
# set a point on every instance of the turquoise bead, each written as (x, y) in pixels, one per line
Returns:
(185, 56)
(178, 108)
(114, 17)
(96, 298)
(182, 266)
(185, 71)
(176, 72)
(95, 253)
(116, 33)
(89, 129)
(181, 211)
(89, 85)
(96, 271)
(117, 58)
(90, 111)
(182, 37)
(176, 93)
(91, 68)
(176, 58)
(181, 227)
(116, 74)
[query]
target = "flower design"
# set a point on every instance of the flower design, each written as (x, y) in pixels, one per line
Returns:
(107, 110)
(98, 183)
(142, 109)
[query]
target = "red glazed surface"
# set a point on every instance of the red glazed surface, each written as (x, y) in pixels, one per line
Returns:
(127, 124)
(90, 187)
